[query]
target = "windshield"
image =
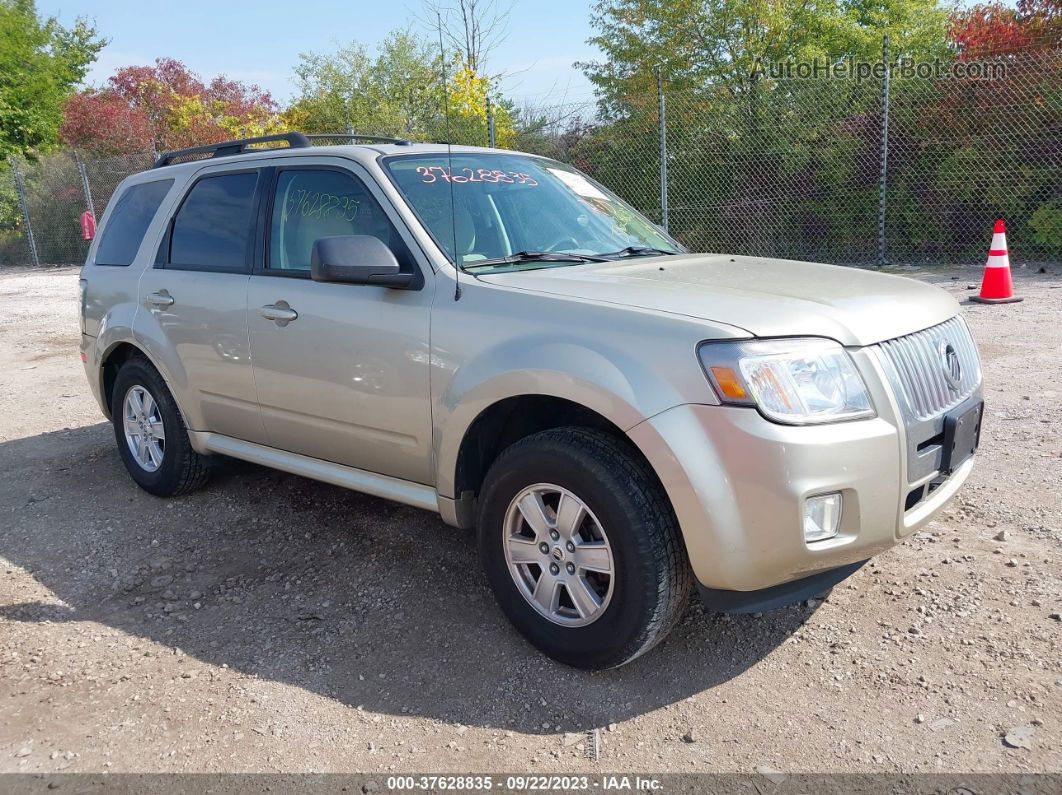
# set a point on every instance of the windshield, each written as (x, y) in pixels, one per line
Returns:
(508, 210)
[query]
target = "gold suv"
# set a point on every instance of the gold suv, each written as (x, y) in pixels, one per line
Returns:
(498, 338)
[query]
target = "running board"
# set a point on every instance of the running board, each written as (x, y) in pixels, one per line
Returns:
(403, 491)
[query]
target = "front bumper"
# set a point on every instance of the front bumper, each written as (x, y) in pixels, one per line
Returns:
(777, 595)
(738, 483)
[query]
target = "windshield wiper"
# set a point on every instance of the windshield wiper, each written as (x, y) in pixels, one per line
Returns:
(637, 251)
(532, 256)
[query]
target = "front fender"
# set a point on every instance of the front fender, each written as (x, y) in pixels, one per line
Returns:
(624, 363)
(611, 383)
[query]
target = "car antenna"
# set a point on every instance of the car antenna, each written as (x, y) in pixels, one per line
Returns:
(449, 160)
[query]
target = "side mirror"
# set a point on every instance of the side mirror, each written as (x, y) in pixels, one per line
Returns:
(356, 259)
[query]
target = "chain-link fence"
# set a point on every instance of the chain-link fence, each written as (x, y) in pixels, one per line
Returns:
(893, 167)
(42, 200)
(912, 170)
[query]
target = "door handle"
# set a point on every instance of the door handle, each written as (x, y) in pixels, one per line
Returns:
(160, 299)
(280, 313)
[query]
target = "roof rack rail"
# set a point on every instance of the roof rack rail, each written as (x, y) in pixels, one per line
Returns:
(295, 140)
(225, 148)
(374, 139)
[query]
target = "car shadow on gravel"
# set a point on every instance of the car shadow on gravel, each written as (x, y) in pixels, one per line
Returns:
(374, 604)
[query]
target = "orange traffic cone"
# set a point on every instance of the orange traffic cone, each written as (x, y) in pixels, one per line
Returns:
(996, 287)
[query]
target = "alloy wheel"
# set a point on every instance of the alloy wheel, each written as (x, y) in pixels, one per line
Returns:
(558, 555)
(144, 431)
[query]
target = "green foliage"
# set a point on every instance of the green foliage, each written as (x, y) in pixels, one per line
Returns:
(10, 215)
(1046, 224)
(790, 166)
(397, 91)
(394, 92)
(737, 137)
(41, 63)
(720, 45)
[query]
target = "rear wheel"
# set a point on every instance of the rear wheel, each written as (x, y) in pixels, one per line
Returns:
(151, 435)
(581, 547)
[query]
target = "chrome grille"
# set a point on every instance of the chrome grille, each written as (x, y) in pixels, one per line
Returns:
(922, 370)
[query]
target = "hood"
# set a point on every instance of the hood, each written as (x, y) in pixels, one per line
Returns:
(766, 297)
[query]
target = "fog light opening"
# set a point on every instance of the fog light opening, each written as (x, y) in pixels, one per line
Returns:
(822, 516)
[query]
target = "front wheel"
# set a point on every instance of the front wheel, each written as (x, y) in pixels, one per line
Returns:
(581, 547)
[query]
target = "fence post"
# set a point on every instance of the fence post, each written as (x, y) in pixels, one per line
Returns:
(884, 150)
(20, 189)
(490, 123)
(662, 116)
(85, 187)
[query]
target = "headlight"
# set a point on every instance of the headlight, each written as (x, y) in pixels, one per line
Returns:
(792, 381)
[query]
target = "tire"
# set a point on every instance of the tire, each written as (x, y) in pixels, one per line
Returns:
(650, 582)
(179, 469)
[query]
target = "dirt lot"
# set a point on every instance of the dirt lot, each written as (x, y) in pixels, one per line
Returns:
(270, 623)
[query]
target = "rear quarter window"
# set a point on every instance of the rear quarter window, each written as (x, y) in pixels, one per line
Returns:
(129, 220)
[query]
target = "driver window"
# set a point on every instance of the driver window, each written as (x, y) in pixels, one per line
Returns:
(315, 203)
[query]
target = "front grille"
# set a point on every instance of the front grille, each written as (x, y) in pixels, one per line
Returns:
(921, 367)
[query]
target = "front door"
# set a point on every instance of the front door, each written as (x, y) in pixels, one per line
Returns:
(194, 304)
(341, 369)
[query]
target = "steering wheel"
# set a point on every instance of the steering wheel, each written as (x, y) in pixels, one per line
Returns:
(556, 244)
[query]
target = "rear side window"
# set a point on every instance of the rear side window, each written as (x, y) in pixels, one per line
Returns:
(129, 221)
(214, 229)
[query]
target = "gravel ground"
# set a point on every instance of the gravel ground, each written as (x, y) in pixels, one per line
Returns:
(270, 623)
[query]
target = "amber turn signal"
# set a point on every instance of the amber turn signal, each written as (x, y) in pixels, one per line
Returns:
(729, 383)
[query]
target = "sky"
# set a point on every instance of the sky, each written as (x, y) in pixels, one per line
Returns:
(259, 42)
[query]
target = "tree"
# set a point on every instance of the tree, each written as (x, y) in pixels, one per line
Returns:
(719, 44)
(758, 159)
(472, 28)
(166, 106)
(41, 63)
(552, 130)
(105, 123)
(397, 91)
(394, 93)
(1045, 20)
(468, 94)
(991, 29)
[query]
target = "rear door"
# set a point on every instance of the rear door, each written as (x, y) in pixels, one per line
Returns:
(341, 369)
(193, 302)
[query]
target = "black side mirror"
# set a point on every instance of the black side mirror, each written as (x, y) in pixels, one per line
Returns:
(356, 259)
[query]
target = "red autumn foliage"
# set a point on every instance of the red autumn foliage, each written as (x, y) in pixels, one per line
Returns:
(106, 124)
(992, 29)
(165, 106)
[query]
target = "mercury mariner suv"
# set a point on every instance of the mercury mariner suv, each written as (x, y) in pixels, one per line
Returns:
(498, 338)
